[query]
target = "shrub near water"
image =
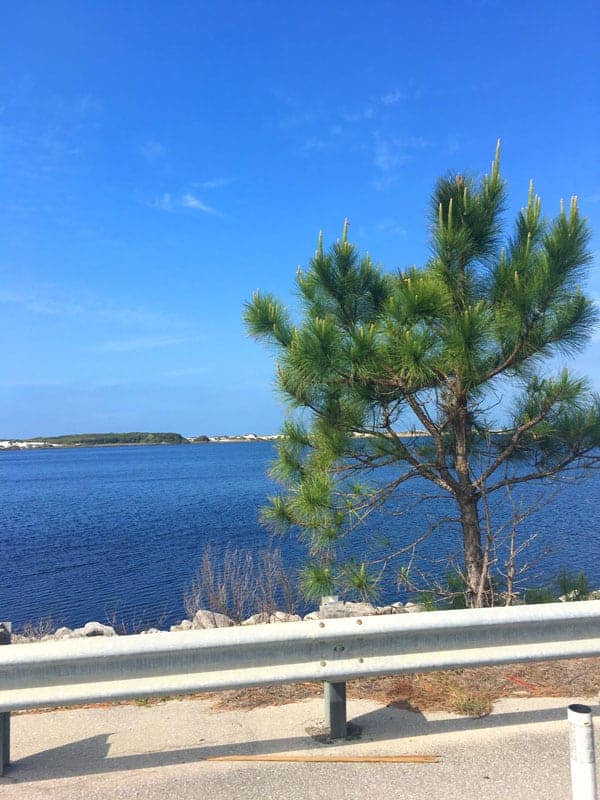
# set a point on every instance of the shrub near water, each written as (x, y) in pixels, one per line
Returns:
(238, 584)
(568, 586)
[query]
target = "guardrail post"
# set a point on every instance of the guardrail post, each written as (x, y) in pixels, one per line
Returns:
(581, 740)
(335, 709)
(334, 693)
(5, 638)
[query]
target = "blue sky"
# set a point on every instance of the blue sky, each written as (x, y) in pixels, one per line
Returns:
(162, 160)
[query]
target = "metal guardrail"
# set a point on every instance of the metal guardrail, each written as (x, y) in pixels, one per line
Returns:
(97, 669)
(102, 669)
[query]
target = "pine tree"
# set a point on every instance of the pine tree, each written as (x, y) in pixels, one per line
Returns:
(431, 349)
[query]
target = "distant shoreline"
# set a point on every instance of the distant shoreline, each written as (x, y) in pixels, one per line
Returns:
(13, 445)
(52, 443)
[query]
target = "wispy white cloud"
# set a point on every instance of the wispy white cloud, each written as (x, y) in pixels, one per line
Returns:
(165, 202)
(42, 134)
(392, 226)
(393, 98)
(313, 144)
(351, 128)
(213, 183)
(153, 150)
(376, 105)
(50, 301)
(389, 154)
(133, 317)
(168, 202)
(139, 343)
(190, 200)
(41, 303)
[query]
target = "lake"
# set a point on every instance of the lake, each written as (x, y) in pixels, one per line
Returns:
(117, 532)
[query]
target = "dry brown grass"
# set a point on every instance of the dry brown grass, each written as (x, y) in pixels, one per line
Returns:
(470, 692)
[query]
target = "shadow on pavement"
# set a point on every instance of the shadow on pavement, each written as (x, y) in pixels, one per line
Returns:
(92, 755)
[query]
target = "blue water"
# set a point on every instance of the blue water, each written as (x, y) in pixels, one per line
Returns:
(117, 533)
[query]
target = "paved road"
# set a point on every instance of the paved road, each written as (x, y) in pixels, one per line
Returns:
(157, 752)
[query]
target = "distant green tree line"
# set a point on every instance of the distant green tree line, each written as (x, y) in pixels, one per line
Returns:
(114, 438)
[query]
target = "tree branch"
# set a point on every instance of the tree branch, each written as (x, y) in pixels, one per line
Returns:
(561, 466)
(514, 442)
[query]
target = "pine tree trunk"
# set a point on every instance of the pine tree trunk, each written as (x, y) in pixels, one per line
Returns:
(477, 579)
(476, 567)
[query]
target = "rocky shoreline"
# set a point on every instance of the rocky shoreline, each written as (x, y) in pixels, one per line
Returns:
(205, 619)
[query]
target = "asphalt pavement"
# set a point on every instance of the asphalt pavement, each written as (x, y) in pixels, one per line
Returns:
(519, 752)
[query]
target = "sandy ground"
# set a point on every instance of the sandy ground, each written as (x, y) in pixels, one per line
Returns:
(160, 751)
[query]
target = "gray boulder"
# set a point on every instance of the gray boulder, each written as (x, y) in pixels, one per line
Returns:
(91, 629)
(414, 607)
(360, 610)
(210, 619)
(184, 625)
(257, 619)
(282, 616)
